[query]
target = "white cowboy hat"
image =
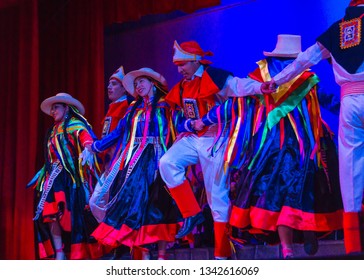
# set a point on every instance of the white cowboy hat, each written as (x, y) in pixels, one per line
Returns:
(287, 46)
(61, 97)
(128, 81)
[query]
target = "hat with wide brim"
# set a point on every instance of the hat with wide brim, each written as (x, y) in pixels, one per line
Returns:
(61, 97)
(287, 46)
(129, 78)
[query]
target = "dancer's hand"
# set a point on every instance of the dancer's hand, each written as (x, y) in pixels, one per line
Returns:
(198, 125)
(268, 87)
(87, 156)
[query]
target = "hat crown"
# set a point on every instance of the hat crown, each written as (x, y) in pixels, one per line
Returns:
(180, 54)
(118, 74)
(61, 97)
(287, 46)
(190, 51)
(149, 72)
(64, 94)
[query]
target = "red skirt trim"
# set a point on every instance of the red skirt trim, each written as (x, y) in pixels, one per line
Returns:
(81, 251)
(84, 251)
(46, 250)
(50, 210)
(291, 217)
(146, 234)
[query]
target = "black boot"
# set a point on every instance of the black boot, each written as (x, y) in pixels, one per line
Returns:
(310, 242)
(361, 227)
(189, 224)
(119, 252)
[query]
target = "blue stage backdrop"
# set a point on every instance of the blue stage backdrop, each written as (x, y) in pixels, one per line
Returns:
(236, 31)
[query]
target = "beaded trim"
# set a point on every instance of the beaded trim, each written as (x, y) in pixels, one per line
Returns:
(350, 33)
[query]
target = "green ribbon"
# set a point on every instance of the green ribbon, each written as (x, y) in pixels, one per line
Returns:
(282, 110)
(291, 102)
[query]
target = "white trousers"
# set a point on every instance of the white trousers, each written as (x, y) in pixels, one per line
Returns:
(191, 150)
(351, 151)
(98, 201)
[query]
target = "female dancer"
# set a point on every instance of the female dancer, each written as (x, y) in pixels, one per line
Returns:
(140, 210)
(63, 222)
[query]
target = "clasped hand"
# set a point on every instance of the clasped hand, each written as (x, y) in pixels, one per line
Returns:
(268, 87)
(197, 124)
(87, 156)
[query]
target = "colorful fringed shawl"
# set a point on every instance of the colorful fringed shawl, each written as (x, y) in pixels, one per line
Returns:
(67, 151)
(254, 116)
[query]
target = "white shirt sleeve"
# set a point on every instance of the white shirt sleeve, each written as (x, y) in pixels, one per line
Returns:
(304, 60)
(239, 87)
(222, 94)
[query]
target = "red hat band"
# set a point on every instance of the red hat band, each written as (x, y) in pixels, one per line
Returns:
(190, 51)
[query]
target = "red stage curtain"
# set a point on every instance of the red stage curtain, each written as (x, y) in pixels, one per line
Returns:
(126, 10)
(19, 80)
(48, 47)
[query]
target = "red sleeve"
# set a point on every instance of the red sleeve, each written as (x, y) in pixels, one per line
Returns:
(85, 138)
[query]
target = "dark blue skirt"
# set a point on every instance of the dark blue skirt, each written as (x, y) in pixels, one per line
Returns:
(68, 206)
(143, 211)
(283, 187)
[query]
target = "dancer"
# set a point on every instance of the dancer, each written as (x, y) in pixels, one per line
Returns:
(343, 44)
(117, 108)
(140, 210)
(63, 221)
(289, 187)
(201, 88)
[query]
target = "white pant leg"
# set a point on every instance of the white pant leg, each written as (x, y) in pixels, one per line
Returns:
(351, 151)
(217, 184)
(173, 163)
(98, 201)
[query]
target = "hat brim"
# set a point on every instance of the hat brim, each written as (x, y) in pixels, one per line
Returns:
(46, 105)
(181, 61)
(129, 78)
(280, 54)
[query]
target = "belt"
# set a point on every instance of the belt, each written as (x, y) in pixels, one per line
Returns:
(352, 88)
(150, 140)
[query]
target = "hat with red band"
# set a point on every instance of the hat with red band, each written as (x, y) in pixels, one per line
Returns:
(118, 74)
(190, 51)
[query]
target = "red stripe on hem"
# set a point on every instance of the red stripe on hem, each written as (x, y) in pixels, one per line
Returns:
(87, 251)
(288, 216)
(147, 234)
(45, 250)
